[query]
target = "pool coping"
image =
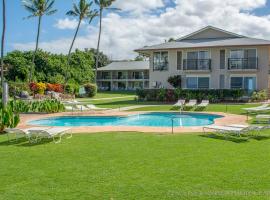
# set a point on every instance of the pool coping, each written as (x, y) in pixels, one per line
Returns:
(225, 120)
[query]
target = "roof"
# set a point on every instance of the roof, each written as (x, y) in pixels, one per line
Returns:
(126, 65)
(194, 41)
(225, 34)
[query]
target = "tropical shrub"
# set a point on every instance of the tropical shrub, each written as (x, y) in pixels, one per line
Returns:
(71, 88)
(173, 95)
(9, 118)
(90, 89)
(175, 81)
(46, 106)
(259, 96)
(15, 88)
(55, 87)
(41, 87)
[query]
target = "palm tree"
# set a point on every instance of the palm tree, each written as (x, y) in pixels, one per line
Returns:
(102, 4)
(38, 8)
(2, 48)
(83, 11)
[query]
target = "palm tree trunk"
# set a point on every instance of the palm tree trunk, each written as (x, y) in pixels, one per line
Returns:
(70, 49)
(37, 43)
(2, 48)
(99, 35)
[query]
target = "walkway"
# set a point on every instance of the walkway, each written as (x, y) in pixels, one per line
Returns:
(109, 98)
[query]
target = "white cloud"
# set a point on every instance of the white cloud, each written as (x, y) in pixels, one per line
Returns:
(122, 34)
(66, 23)
(138, 6)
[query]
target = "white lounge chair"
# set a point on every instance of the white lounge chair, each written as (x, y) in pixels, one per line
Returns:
(203, 104)
(260, 118)
(21, 133)
(51, 133)
(191, 103)
(180, 103)
(93, 107)
(71, 108)
(264, 107)
(233, 128)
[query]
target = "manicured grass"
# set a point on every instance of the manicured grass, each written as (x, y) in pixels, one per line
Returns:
(137, 166)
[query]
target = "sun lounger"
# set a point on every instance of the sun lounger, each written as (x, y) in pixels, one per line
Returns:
(21, 133)
(51, 133)
(93, 107)
(191, 103)
(71, 108)
(262, 117)
(234, 128)
(263, 107)
(226, 129)
(180, 103)
(203, 104)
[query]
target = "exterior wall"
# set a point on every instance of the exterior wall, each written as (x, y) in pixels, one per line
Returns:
(261, 73)
(127, 82)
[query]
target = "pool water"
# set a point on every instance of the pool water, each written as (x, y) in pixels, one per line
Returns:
(149, 119)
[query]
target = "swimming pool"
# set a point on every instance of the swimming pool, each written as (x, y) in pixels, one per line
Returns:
(149, 119)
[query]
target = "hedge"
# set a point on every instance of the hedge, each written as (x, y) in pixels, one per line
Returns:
(170, 95)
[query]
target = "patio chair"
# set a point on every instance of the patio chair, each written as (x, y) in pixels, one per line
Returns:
(51, 133)
(203, 104)
(191, 103)
(180, 103)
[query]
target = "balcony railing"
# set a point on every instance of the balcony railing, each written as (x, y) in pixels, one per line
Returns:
(242, 63)
(197, 64)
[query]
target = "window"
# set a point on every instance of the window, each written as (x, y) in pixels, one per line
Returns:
(192, 82)
(198, 82)
(160, 61)
(222, 59)
(243, 59)
(179, 60)
(203, 82)
(198, 60)
(247, 83)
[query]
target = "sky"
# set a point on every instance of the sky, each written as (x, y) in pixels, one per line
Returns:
(139, 23)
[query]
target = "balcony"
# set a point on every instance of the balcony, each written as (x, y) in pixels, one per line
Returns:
(197, 65)
(243, 63)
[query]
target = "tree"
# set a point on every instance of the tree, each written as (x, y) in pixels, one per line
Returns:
(103, 59)
(175, 81)
(171, 40)
(82, 11)
(102, 4)
(2, 48)
(38, 8)
(140, 57)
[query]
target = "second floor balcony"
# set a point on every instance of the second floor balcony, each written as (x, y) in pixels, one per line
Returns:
(243, 63)
(197, 64)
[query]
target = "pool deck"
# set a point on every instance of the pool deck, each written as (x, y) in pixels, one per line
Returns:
(226, 120)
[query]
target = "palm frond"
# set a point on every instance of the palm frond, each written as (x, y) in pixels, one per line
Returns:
(49, 4)
(72, 13)
(51, 12)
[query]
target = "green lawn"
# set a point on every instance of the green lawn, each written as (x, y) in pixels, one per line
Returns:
(137, 166)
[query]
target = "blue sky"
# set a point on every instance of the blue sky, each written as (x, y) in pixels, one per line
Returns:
(139, 23)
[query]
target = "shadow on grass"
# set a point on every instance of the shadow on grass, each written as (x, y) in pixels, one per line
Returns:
(227, 137)
(24, 142)
(234, 138)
